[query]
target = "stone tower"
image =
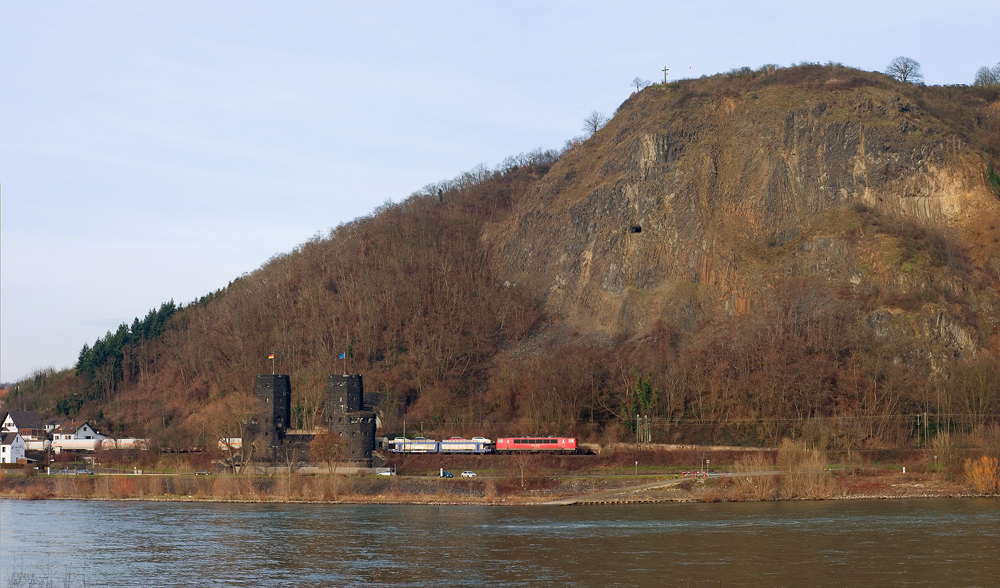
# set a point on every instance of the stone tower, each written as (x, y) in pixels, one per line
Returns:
(275, 395)
(345, 414)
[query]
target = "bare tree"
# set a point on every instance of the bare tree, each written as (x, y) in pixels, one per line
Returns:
(290, 455)
(640, 83)
(905, 69)
(525, 461)
(328, 447)
(978, 391)
(232, 420)
(988, 76)
(594, 122)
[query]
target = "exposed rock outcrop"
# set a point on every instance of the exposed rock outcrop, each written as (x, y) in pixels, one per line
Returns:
(690, 206)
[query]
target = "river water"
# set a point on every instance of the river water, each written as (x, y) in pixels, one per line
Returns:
(925, 542)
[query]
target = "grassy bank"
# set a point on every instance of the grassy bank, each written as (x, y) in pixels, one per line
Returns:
(843, 484)
(789, 472)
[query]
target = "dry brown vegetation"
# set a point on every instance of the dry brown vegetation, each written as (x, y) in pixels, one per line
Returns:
(414, 295)
(984, 474)
(792, 471)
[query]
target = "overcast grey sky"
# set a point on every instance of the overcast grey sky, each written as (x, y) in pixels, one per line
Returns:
(157, 150)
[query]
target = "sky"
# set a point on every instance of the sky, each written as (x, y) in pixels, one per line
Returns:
(155, 151)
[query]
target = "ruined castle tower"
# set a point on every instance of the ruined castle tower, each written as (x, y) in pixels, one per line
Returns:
(271, 432)
(275, 395)
(345, 414)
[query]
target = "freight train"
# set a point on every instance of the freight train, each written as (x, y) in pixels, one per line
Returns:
(482, 445)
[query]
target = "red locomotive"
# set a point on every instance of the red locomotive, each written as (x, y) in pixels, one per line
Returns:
(536, 444)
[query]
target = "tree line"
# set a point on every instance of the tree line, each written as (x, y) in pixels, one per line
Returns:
(121, 355)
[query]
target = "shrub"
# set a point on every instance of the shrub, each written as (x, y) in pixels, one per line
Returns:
(802, 473)
(756, 486)
(225, 487)
(711, 495)
(983, 474)
(122, 487)
(491, 493)
(993, 179)
(101, 487)
(141, 485)
(83, 487)
(36, 492)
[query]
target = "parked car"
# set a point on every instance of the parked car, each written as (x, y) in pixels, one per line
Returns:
(202, 473)
(386, 473)
(84, 472)
(446, 474)
(468, 474)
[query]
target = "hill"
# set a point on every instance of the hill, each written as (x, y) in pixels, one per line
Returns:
(810, 252)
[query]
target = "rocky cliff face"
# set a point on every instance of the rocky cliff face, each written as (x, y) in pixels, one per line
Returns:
(694, 205)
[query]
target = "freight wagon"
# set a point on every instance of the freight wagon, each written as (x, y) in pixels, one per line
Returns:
(418, 445)
(453, 445)
(481, 445)
(460, 445)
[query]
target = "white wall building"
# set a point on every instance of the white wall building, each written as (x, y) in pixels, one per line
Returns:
(75, 435)
(11, 447)
(25, 422)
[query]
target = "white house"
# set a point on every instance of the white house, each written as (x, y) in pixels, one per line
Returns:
(25, 422)
(11, 447)
(74, 435)
(54, 422)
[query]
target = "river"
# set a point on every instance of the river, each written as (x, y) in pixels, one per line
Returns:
(928, 542)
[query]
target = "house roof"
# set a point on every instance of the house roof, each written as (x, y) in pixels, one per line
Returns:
(68, 427)
(8, 438)
(25, 419)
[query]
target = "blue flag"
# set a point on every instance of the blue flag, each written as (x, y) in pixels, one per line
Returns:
(342, 356)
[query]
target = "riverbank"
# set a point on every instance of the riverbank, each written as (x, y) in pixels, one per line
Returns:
(590, 489)
(618, 475)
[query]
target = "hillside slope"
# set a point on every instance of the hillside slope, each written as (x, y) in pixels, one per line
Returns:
(711, 198)
(809, 252)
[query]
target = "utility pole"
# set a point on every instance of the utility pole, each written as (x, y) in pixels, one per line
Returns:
(665, 70)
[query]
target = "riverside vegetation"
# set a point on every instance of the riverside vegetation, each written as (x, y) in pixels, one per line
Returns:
(790, 472)
(810, 252)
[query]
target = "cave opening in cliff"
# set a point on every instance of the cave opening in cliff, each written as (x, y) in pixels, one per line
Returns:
(635, 229)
